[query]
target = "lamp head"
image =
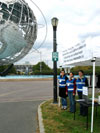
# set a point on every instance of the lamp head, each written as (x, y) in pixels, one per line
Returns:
(54, 22)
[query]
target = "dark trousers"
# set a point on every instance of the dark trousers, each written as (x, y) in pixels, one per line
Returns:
(83, 109)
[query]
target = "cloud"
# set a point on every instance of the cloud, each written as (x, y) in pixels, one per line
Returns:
(91, 34)
(78, 20)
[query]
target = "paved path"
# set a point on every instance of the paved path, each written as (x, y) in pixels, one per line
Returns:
(19, 102)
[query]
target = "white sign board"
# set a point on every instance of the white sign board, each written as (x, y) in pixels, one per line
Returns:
(77, 53)
(85, 91)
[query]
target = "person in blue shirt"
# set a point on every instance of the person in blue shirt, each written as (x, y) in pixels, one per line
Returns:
(80, 83)
(71, 91)
(62, 89)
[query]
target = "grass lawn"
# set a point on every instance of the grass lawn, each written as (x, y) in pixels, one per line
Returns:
(61, 121)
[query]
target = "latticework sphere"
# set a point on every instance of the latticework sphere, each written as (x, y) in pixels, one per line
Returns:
(18, 30)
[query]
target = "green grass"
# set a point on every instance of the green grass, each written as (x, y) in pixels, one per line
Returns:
(61, 121)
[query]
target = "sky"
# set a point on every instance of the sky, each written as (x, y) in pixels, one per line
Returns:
(78, 21)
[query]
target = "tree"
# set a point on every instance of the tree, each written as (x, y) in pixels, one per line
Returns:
(45, 69)
(43, 66)
(11, 71)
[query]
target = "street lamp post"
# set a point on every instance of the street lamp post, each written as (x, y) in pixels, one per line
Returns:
(54, 22)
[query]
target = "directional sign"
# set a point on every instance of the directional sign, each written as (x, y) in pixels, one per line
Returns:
(54, 56)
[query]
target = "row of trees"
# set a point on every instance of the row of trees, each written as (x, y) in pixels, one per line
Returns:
(88, 70)
(46, 70)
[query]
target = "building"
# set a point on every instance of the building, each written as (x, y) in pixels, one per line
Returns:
(25, 68)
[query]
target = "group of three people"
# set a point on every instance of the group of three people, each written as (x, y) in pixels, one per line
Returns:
(68, 87)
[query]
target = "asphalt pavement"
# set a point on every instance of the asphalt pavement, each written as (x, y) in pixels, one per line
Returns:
(19, 102)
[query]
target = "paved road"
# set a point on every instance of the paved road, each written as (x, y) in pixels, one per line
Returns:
(18, 104)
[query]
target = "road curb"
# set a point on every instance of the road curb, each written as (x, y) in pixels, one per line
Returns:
(40, 119)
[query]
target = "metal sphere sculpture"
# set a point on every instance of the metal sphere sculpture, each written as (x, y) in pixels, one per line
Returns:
(18, 30)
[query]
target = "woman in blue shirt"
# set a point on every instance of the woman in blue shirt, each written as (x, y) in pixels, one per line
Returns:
(71, 91)
(80, 83)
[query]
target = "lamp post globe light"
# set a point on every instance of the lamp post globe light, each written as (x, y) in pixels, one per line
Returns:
(54, 22)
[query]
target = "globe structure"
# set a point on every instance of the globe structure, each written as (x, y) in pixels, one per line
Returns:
(18, 30)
